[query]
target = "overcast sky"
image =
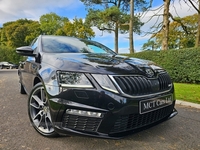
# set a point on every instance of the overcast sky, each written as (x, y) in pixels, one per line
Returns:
(12, 10)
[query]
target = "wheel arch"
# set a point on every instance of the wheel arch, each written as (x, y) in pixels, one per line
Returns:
(36, 81)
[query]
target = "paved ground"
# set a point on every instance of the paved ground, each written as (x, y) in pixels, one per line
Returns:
(188, 104)
(180, 133)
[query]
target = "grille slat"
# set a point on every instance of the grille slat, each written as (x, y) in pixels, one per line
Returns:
(140, 85)
(121, 84)
(127, 85)
(135, 90)
(132, 85)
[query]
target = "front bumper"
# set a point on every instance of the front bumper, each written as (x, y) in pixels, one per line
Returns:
(68, 131)
(121, 116)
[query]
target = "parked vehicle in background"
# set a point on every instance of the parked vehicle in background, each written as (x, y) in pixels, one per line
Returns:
(81, 86)
(8, 65)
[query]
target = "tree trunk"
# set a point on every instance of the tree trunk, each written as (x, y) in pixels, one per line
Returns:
(116, 38)
(197, 44)
(165, 25)
(131, 43)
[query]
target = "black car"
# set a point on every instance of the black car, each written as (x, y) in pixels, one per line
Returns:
(8, 65)
(81, 86)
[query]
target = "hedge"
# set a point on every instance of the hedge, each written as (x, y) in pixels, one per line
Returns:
(182, 65)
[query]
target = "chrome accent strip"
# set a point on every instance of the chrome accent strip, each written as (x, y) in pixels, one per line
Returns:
(174, 113)
(110, 89)
(76, 86)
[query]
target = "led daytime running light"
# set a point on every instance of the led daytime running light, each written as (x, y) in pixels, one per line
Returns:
(84, 113)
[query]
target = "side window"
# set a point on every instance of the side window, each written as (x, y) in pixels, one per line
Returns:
(34, 44)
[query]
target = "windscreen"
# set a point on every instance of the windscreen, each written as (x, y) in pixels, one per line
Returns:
(62, 44)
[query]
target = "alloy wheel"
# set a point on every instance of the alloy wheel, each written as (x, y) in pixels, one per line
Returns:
(39, 111)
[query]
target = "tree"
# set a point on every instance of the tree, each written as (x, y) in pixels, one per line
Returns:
(34, 30)
(2, 37)
(19, 33)
(161, 28)
(150, 45)
(111, 16)
(76, 28)
(196, 5)
(9, 54)
(163, 25)
(165, 28)
(51, 22)
(182, 33)
(140, 4)
(131, 41)
(107, 20)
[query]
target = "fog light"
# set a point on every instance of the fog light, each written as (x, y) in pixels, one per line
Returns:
(84, 113)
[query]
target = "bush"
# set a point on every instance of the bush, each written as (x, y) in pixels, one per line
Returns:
(182, 65)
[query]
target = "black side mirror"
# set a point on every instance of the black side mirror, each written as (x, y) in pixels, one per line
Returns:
(25, 51)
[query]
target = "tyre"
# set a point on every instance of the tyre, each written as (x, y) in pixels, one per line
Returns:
(21, 89)
(39, 112)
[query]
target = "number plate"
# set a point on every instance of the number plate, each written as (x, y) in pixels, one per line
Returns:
(153, 104)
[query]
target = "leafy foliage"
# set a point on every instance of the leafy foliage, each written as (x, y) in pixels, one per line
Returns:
(9, 54)
(51, 22)
(77, 28)
(105, 20)
(22, 32)
(111, 16)
(150, 45)
(182, 65)
(19, 33)
(182, 33)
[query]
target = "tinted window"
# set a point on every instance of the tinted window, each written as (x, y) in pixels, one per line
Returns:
(62, 44)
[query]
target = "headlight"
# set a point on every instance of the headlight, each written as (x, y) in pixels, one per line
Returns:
(105, 82)
(73, 80)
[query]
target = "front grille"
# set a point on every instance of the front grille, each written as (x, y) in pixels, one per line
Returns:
(134, 121)
(140, 85)
(82, 123)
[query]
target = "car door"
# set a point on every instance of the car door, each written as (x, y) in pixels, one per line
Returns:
(29, 69)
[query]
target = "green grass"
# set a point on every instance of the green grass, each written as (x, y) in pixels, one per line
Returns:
(187, 92)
